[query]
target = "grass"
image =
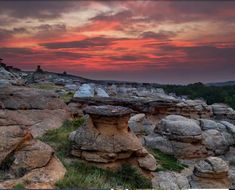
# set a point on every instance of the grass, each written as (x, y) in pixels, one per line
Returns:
(19, 186)
(58, 138)
(83, 175)
(167, 162)
(67, 97)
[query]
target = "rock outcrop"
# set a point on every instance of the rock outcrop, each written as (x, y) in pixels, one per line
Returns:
(223, 112)
(106, 138)
(24, 160)
(159, 106)
(185, 136)
(37, 110)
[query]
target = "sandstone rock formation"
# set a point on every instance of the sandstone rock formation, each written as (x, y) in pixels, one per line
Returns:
(106, 138)
(136, 123)
(223, 112)
(184, 134)
(27, 161)
(37, 110)
(187, 138)
(159, 106)
(210, 173)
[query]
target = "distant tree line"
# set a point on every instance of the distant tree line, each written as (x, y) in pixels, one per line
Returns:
(212, 94)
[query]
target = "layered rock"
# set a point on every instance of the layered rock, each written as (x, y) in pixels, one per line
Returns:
(184, 134)
(37, 110)
(210, 173)
(106, 138)
(159, 106)
(187, 138)
(223, 112)
(27, 161)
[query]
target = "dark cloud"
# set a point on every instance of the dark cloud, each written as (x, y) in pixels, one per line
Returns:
(202, 52)
(86, 43)
(37, 9)
(6, 34)
(47, 30)
(161, 35)
(71, 55)
(128, 58)
(120, 16)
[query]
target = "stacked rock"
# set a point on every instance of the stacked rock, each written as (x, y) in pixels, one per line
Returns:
(106, 138)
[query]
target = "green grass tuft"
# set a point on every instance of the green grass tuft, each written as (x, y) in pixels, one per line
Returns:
(167, 162)
(19, 186)
(67, 97)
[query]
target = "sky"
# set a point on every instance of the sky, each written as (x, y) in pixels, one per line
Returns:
(168, 42)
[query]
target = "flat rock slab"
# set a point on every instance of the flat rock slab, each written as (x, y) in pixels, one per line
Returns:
(107, 110)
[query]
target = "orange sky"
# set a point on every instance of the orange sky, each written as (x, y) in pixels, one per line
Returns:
(145, 41)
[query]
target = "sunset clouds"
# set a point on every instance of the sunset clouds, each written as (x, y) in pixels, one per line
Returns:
(149, 41)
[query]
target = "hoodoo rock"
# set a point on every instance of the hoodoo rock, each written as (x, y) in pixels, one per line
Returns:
(106, 138)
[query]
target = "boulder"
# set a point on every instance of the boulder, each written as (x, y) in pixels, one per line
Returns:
(85, 90)
(71, 87)
(210, 173)
(148, 162)
(215, 141)
(101, 92)
(179, 128)
(207, 124)
(220, 109)
(39, 178)
(169, 180)
(136, 123)
(27, 158)
(230, 127)
(159, 142)
(106, 138)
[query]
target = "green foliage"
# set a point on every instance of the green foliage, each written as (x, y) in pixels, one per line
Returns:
(167, 162)
(212, 94)
(19, 186)
(82, 175)
(67, 97)
(58, 138)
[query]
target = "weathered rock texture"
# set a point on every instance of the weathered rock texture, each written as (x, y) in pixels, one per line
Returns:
(106, 138)
(24, 160)
(185, 136)
(160, 106)
(37, 110)
(211, 173)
